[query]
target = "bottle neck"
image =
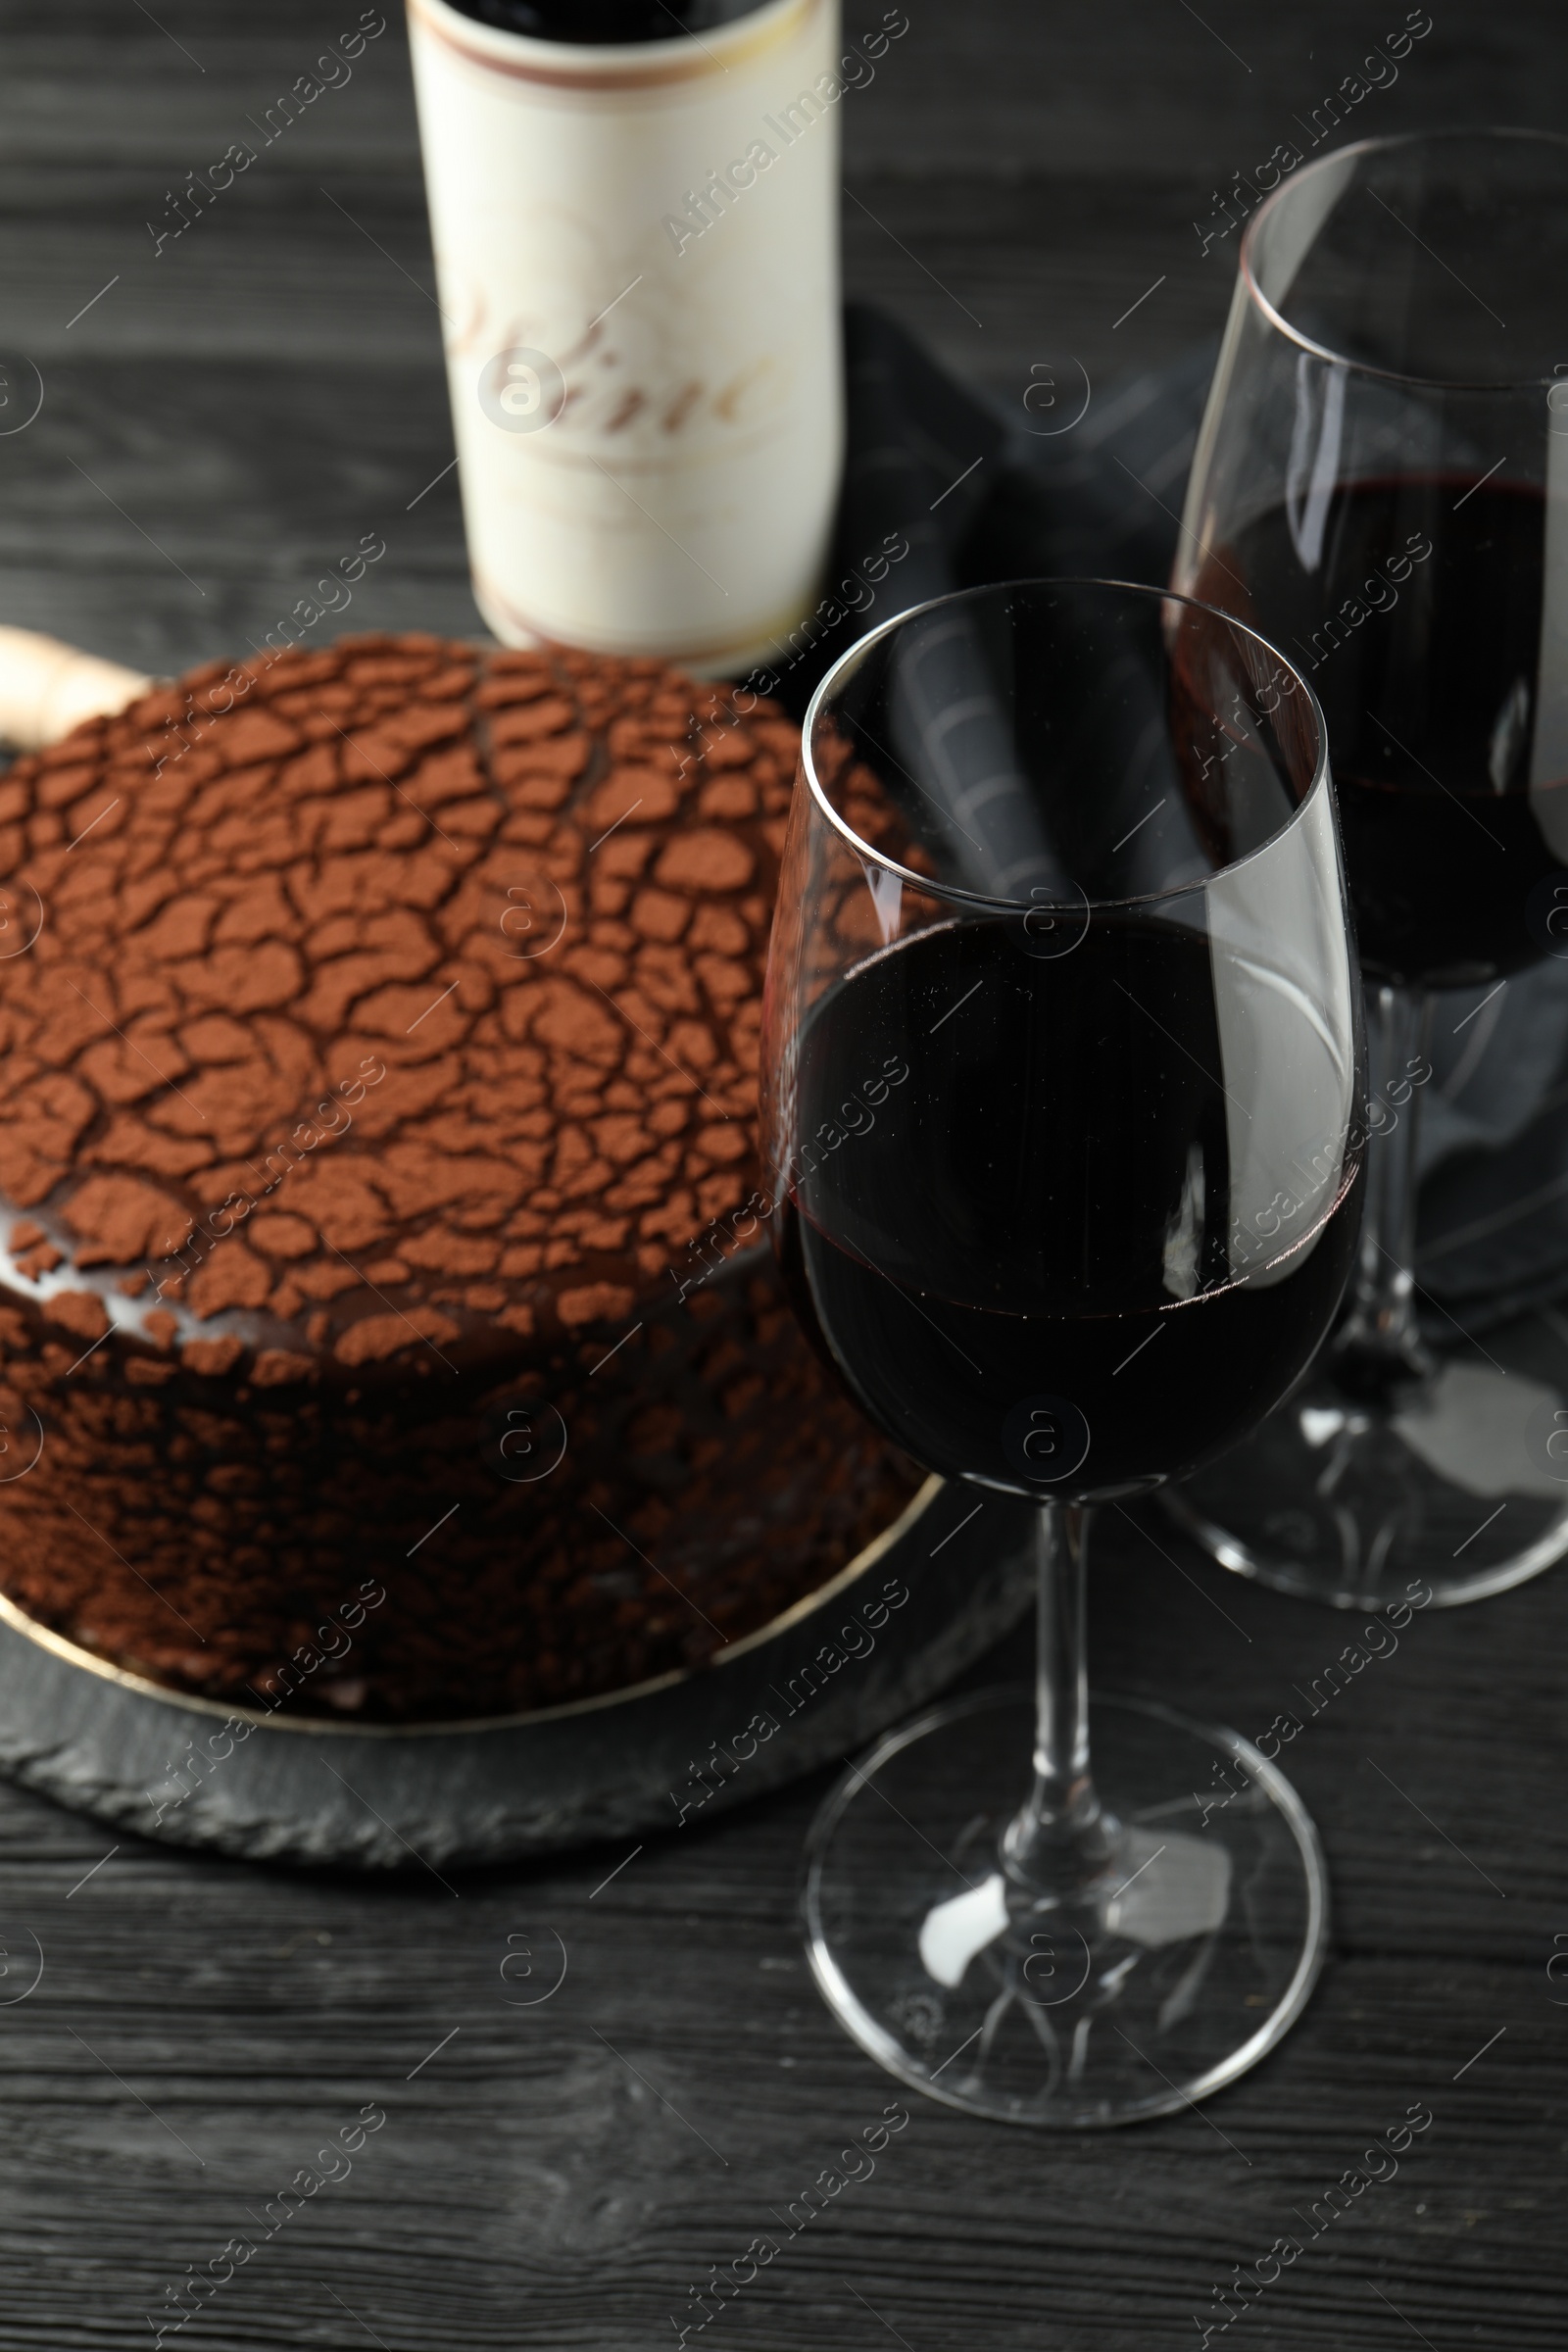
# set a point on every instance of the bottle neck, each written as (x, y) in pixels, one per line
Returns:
(592, 24)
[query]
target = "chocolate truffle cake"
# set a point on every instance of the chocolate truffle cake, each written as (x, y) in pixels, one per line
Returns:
(387, 1320)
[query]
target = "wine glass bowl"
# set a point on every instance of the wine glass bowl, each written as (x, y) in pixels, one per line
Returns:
(1381, 486)
(1420, 259)
(1063, 1075)
(951, 1246)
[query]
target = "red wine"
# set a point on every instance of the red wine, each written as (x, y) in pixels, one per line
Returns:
(1425, 663)
(1016, 1230)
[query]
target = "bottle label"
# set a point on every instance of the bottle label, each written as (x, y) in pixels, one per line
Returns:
(637, 261)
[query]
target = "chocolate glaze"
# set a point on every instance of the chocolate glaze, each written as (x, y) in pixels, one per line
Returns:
(379, 1189)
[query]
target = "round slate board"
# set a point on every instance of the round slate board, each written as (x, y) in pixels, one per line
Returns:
(920, 1603)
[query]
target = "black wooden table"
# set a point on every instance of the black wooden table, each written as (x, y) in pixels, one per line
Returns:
(223, 418)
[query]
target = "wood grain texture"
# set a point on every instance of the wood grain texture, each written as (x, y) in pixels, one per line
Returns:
(559, 2176)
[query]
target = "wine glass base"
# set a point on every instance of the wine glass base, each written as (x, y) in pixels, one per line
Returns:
(1450, 1486)
(1201, 1951)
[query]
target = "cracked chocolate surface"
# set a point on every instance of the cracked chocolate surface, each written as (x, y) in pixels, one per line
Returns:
(378, 1033)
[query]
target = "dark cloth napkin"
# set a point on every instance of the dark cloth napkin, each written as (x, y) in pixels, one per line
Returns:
(944, 488)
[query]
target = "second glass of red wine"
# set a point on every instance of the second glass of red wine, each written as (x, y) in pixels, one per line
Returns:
(1381, 486)
(1063, 1109)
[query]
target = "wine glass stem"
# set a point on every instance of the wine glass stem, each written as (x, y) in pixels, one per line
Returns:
(1058, 1840)
(1381, 1334)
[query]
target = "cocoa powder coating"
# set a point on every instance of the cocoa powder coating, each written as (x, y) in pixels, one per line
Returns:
(378, 1033)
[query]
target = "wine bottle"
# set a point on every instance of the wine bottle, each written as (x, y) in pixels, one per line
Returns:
(634, 210)
(587, 21)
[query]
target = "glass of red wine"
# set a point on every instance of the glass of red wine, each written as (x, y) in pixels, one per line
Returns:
(1381, 486)
(1064, 1112)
